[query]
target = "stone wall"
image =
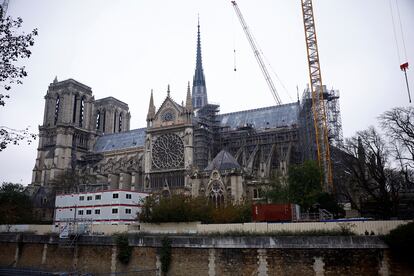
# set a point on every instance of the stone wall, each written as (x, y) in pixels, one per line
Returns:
(358, 227)
(206, 255)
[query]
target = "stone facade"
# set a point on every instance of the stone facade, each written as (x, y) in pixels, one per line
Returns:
(180, 151)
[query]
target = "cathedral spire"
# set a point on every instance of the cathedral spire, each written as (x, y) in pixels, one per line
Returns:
(151, 108)
(199, 82)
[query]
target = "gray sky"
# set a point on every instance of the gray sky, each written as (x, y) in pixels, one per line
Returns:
(126, 48)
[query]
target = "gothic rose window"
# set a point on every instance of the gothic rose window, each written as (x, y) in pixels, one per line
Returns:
(168, 152)
(168, 116)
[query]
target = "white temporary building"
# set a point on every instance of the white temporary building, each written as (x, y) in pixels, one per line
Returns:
(103, 207)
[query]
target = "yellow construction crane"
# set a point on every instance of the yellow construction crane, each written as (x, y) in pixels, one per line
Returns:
(316, 88)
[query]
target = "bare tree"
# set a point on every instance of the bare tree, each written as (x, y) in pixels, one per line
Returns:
(72, 180)
(399, 126)
(14, 46)
(15, 136)
(371, 176)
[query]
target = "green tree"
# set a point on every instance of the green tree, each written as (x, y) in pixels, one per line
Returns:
(305, 184)
(15, 205)
(328, 202)
(277, 193)
(303, 188)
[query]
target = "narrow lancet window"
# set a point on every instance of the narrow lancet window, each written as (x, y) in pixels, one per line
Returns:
(104, 121)
(75, 106)
(81, 113)
(120, 122)
(115, 122)
(57, 107)
(98, 120)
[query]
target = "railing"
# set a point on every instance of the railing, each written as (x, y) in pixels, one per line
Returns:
(321, 215)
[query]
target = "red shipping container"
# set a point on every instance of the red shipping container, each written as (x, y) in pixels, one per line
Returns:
(275, 212)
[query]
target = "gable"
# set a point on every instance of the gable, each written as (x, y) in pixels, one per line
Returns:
(170, 113)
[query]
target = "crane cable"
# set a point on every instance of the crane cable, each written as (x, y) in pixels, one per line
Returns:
(401, 30)
(403, 63)
(234, 47)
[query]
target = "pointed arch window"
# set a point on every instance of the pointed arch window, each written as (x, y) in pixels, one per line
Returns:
(120, 122)
(104, 121)
(115, 117)
(75, 106)
(98, 120)
(216, 197)
(81, 111)
(57, 107)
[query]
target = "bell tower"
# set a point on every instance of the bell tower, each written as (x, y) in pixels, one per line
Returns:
(67, 131)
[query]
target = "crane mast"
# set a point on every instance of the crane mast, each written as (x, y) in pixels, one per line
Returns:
(257, 54)
(316, 87)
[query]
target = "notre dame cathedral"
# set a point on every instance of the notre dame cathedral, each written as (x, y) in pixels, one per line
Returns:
(185, 148)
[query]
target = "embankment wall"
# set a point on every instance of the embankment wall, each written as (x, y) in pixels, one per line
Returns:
(207, 255)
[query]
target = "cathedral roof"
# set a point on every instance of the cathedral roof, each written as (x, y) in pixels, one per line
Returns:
(223, 161)
(122, 140)
(262, 118)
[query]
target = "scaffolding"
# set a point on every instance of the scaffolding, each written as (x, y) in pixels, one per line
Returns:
(333, 114)
(334, 122)
(206, 133)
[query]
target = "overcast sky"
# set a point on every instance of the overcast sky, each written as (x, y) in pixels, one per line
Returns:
(125, 48)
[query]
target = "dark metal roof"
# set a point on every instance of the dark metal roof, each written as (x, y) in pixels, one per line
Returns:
(223, 161)
(122, 140)
(262, 118)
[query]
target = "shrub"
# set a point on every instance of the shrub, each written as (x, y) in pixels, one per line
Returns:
(401, 241)
(232, 214)
(180, 208)
(124, 250)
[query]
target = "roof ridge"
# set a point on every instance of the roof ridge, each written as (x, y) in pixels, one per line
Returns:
(111, 97)
(123, 132)
(258, 109)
